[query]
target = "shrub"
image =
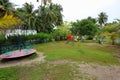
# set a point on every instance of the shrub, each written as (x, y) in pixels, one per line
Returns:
(2, 39)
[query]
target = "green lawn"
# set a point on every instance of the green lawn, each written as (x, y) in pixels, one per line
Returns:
(79, 52)
(58, 51)
(43, 71)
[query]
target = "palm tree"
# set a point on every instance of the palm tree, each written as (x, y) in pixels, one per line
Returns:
(28, 9)
(48, 16)
(27, 14)
(102, 19)
(44, 2)
(7, 6)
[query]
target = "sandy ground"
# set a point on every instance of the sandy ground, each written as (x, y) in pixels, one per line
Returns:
(86, 71)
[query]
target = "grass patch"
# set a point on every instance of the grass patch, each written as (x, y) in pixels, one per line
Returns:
(79, 52)
(33, 56)
(44, 71)
(8, 74)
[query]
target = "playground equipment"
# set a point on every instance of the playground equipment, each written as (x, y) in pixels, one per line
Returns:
(20, 52)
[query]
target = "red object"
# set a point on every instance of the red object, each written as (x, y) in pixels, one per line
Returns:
(69, 37)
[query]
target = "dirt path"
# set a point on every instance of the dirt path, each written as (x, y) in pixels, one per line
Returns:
(39, 59)
(93, 71)
(98, 72)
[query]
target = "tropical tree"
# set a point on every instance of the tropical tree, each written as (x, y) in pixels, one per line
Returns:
(102, 19)
(2, 12)
(49, 16)
(60, 32)
(92, 19)
(43, 19)
(84, 27)
(27, 14)
(6, 6)
(111, 32)
(44, 2)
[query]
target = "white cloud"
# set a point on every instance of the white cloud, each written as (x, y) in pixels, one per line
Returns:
(79, 9)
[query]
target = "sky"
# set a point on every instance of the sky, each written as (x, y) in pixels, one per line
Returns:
(79, 9)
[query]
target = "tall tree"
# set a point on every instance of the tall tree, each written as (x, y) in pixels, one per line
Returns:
(92, 19)
(44, 2)
(27, 14)
(7, 6)
(111, 31)
(84, 27)
(50, 16)
(102, 19)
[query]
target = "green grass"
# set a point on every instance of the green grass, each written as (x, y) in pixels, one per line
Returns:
(44, 71)
(33, 56)
(79, 52)
(8, 74)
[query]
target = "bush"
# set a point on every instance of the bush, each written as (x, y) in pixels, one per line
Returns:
(58, 35)
(12, 41)
(2, 39)
(42, 37)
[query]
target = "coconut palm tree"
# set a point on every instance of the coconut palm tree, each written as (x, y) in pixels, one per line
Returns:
(44, 2)
(102, 19)
(48, 16)
(7, 6)
(27, 14)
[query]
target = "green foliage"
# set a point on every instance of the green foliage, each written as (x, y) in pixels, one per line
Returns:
(47, 17)
(11, 43)
(92, 19)
(2, 39)
(14, 39)
(5, 6)
(102, 19)
(110, 32)
(24, 38)
(84, 27)
(61, 31)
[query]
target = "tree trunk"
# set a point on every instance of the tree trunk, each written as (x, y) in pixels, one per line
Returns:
(113, 42)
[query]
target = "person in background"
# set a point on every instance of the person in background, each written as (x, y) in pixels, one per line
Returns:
(69, 38)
